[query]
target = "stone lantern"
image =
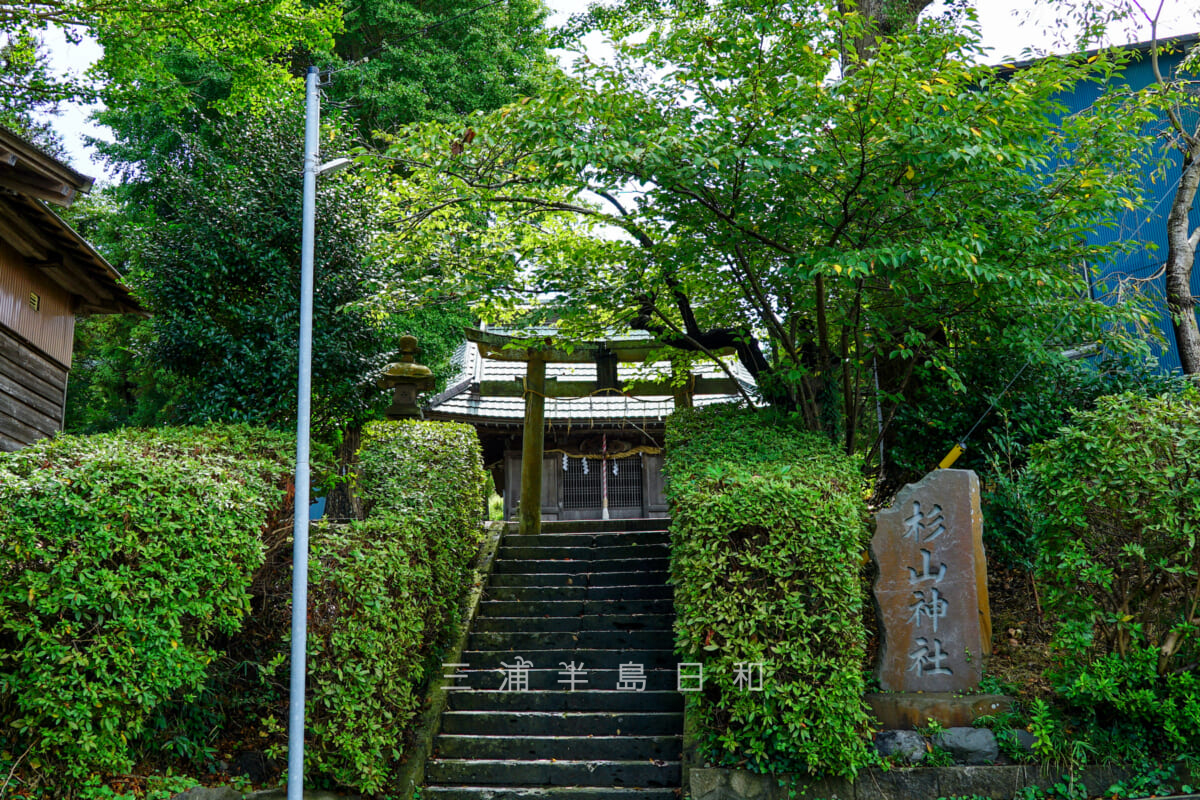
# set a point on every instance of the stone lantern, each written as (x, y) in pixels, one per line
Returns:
(408, 378)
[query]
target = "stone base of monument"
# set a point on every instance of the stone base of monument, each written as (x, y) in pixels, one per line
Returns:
(909, 710)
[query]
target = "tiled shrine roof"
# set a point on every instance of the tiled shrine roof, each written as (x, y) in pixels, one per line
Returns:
(464, 401)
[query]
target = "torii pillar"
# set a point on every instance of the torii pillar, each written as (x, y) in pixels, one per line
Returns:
(606, 355)
(533, 446)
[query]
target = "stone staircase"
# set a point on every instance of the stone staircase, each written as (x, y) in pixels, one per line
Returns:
(589, 593)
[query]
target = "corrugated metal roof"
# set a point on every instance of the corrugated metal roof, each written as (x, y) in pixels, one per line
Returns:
(1182, 41)
(542, 331)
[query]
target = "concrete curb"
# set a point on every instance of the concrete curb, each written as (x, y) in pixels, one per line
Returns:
(690, 760)
(309, 794)
(227, 793)
(921, 783)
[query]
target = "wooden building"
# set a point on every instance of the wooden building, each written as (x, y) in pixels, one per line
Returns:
(48, 274)
(602, 418)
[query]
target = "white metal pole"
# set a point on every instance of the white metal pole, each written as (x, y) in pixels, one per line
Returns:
(312, 113)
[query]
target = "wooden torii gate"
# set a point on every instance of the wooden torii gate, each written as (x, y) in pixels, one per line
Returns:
(606, 355)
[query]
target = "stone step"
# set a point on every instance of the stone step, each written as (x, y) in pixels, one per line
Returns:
(667, 748)
(543, 552)
(556, 700)
(587, 539)
(591, 593)
(601, 525)
(579, 578)
(573, 608)
(548, 676)
(559, 565)
(463, 792)
(527, 640)
(582, 658)
(549, 772)
(562, 723)
(595, 622)
(535, 593)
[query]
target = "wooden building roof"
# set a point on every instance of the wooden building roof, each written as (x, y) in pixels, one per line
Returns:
(29, 179)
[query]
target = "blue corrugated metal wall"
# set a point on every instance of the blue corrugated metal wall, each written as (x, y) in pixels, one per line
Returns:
(1147, 224)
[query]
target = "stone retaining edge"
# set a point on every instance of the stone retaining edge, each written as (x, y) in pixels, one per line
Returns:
(921, 783)
(412, 772)
(690, 760)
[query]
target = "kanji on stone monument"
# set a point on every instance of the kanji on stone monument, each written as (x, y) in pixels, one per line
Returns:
(932, 586)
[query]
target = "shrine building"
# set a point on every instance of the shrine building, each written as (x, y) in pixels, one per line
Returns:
(597, 412)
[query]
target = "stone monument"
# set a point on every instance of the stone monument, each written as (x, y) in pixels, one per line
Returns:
(931, 593)
(932, 585)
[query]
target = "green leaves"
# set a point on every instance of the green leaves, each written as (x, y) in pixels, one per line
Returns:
(124, 556)
(387, 593)
(767, 528)
(1155, 713)
(218, 259)
(1120, 499)
(243, 42)
(836, 210)
(435, 61)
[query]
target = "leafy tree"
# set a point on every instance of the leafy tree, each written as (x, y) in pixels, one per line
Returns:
(171, 72)
(834, 217)
(114, 381)
(1179, 101)
(248, 42)
(1174, 97)
(27, 90)
(410, 61)
(395, 62)
(220, 266)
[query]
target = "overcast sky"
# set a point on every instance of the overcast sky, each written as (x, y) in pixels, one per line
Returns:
(1008, 27)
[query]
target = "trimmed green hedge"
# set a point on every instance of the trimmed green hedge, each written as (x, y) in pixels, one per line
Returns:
(121, 556)
(387, 594)
(768, 524)
(126, 565)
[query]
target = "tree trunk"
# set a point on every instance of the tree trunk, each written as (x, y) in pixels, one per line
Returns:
(341, 504)
(890, 16)
(1181, 255)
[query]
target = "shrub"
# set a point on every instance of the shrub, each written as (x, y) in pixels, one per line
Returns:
(1119, 507)
(121, 555)
(1009, 537)
(404, 466)
(766, 534)
(1146, 713)
(387, 594)
(1120, 512)
(1039, 402)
